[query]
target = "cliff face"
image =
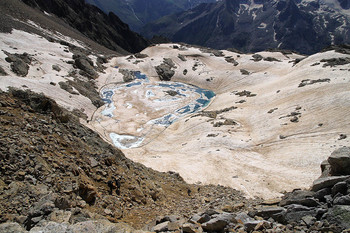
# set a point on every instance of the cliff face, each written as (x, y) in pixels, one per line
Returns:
(106, 29)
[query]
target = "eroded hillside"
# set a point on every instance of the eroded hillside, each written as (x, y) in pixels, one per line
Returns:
(275, 117)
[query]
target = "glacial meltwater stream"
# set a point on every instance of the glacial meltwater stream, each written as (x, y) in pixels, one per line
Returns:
(136, 112)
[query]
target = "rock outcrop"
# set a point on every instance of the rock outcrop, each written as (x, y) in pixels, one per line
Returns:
(165, 70)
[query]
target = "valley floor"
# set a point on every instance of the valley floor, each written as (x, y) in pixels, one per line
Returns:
(271, 124)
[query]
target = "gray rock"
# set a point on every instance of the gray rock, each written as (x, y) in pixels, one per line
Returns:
(340, 162)
(248, 222)
(60, 216)
(276, 213)
(200, 218)
(2, 72)
(56, 68)
(309, 220)
(340, 215)
(215, 225)
(128, 75)
(340, 187)
(328, 199)
(343, 200)
(39, 210)
(257, 57)
(93, 162)
(295, 213)
(191, 228)
(249, 226)
(11, 228)
(295, 208)
(320, 194)
(300, 197)
(84, 65)
(100, 226)
(231, 60)
(327, 182)
(244, 72)
(140, 55)
(20, 68)
(164, 72)
(242, 218)
(170, 218)
(161, 227)
(325, 168)
(211, 212)
(50, 227)
(181, 57)
(218, 222)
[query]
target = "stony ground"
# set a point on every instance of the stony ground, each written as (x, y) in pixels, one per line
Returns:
(47, 155)
(276, 117)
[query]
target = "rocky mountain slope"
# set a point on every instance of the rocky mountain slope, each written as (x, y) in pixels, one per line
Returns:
(251, 26)
(137, 13)
(259, 123)
(106, 29)
(275, 116)
(55, 169)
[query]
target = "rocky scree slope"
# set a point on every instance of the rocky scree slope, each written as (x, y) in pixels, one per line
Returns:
(252, 26)
(53, 169)
(54, 173)
(324, 208)
(106, 29)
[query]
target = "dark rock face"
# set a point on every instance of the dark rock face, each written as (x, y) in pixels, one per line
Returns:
(289, 24)
(137, 13)
(107, 30)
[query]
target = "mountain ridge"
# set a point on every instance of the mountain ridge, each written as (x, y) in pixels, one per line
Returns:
(139, 12)
(251, 26)
(107, 30)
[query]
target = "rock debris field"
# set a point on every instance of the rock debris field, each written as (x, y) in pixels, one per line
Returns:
(265, 132)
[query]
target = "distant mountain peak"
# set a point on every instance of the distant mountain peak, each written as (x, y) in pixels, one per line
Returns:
(306, 26)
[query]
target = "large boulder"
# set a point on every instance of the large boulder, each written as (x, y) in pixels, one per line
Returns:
(340, 162)
(85, 64)
(20, 68)
(327, 182)
(300, 197)
(19, 63)
(11, 228)
(165, 72)
(218, 222)
(276, 213)
(340, 215)
(2, 72)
